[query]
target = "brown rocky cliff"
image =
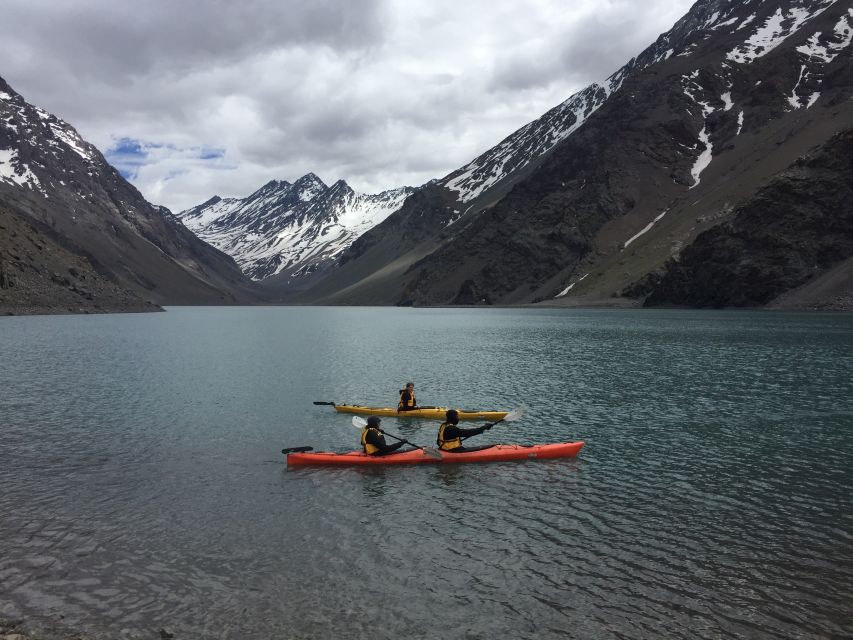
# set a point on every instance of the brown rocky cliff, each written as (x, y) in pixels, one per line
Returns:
(795, 229)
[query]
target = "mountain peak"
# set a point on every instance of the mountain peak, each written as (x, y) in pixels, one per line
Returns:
(309, 178)
(5, 88)
(309, 186)
(300, 231)
(340, 186)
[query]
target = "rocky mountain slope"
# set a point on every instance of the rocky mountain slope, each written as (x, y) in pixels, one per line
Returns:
(37, 275)
(65, 194)
(628, 177)
(292, 231)
(792, 232)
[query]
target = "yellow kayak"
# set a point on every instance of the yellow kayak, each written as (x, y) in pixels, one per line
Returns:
(434, 413)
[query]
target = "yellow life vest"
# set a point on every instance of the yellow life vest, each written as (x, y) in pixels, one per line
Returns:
(447, 445)
(369, 449)
(401, 406)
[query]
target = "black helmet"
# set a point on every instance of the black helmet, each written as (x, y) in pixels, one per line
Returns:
(452, 416)
(373, 421)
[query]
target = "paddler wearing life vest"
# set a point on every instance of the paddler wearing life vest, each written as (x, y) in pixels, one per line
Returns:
(373, 442)
(408, 401)
(450, 436)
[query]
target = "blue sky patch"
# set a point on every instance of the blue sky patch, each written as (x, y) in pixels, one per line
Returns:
(211, 153)
(129, 155)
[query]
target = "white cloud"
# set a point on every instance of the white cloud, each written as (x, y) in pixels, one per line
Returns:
(380, 94)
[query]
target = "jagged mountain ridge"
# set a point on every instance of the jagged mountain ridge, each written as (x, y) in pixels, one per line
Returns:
(533, 140)
(465, 192)
(292, 246)
(720, 103)
(294, 230)
(66, 190)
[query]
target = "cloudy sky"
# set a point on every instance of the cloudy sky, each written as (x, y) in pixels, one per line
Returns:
(194, 98)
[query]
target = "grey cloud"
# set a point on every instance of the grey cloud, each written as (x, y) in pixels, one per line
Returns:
(111, 41)
(518, 74)
(594, 47)
(605, 40)
(354, 89)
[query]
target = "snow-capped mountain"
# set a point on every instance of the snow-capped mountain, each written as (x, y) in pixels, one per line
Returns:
(61, 188)
(623, 175)
(270, 232)
(523, 147)
(291, 229)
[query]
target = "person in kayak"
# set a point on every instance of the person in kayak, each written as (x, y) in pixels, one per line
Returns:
(373, 441)
(450, 435)
(408, 401)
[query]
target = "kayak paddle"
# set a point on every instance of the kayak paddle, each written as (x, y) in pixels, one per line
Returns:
(331, 404)
(297, 450)
(512, 416)
(361, 423)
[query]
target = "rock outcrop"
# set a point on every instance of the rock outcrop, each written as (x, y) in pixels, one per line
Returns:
(792, 231)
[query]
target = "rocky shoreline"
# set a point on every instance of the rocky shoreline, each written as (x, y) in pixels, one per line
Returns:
(13, 629)
(59, 310)
(37, 629)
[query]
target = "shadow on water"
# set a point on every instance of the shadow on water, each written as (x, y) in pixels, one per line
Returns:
(448, 475)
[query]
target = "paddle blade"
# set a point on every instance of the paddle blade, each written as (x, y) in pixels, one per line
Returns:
(297, 450)
(358, 422)
(433, 453)
(330, 404)
(513, 415)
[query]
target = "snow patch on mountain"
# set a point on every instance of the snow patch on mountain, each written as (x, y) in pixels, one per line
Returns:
(794, 99)
(775, 30)
(66, 134)
(842, 33)
(13, 171)
(528, 143)
(745, 22)
(38, 127)
(644, 230)
(704, 158)
(691, 88)
(570, 287)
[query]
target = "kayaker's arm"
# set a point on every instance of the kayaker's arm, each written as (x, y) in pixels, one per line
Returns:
(452, 431)
(378, 441)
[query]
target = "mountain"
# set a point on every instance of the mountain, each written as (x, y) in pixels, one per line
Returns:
(580, 205)
(38, 275)
(57, 191)
(794, 237)
(291, 231)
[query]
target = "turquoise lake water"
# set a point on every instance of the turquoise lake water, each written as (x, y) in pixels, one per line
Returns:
(141, 484)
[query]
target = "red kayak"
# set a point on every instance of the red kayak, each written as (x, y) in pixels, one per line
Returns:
(497, 453)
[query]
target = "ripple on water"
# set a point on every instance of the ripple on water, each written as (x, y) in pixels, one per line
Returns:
(713, 498)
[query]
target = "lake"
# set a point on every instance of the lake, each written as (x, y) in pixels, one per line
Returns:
(142, 485)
